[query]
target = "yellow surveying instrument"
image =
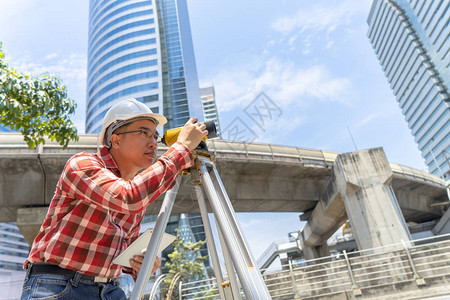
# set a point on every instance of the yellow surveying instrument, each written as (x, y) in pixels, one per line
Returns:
(238, 259)
(171, 135)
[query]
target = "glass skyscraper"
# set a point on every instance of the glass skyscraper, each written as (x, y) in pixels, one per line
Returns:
(411, 41)
(13, 253)
(208, 96)
(141, 49)
(13, 248)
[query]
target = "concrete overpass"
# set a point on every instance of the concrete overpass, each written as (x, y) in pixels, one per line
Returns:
(258, 178)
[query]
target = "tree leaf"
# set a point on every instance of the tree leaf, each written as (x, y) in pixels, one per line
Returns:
(37, 106)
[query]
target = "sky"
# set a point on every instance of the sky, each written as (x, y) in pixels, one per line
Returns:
(311, 59)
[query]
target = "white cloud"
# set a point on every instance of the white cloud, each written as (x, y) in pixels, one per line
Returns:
(11, 8)
(292, 39)
(367, 119)
(12, 13)
(321, 16)
(250, 223)
(286, 83)
(280, 127)
(51, 56)
(329, 44)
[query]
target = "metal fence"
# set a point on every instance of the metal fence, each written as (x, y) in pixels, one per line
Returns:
(417, 262)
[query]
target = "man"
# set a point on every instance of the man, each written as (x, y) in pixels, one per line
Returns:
(99, 203)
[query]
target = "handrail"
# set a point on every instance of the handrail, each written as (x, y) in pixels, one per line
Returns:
(156, 285)
(371, 269)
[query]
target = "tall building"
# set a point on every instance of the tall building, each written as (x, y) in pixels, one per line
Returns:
(13, 248)
(141, 49)
(209, 106)
(13, 253)
(411, 41)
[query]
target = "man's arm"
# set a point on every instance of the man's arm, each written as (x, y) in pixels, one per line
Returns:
(89, 180)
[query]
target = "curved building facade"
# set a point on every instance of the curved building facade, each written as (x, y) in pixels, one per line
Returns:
(141, 49)
(411, 41)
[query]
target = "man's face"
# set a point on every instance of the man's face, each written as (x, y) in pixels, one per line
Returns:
(138, 147)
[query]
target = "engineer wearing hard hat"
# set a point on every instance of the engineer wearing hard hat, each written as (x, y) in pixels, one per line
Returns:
(99, 203)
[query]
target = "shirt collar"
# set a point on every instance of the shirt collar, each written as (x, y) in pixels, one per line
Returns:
(107, 158)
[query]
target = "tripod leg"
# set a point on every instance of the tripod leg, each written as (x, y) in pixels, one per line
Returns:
(235, 290)
(155, 241)
(210, 239)
(249, 275)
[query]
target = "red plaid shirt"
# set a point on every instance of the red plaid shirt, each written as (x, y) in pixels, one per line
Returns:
(95, 214)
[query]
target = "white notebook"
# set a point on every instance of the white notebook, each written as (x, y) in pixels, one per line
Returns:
(140, 246)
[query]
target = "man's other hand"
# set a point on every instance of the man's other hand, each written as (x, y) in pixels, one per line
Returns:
(136, 263)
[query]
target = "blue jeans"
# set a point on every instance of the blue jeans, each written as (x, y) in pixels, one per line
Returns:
(54, 286)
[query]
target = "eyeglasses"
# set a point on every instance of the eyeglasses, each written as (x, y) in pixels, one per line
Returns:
(145, 134)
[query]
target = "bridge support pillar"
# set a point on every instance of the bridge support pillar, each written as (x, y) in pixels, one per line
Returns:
(29, 221)
(284, 260)
(312, 252)
(364, 183)
(443, 226)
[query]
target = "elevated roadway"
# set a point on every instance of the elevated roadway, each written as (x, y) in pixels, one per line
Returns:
(258, 178)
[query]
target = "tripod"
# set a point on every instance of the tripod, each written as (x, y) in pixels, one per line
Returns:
(236, 253)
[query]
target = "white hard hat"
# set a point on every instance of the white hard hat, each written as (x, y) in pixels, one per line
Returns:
(125, 112)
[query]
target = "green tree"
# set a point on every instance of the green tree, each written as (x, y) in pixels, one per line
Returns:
(185, 261)
(38, 106)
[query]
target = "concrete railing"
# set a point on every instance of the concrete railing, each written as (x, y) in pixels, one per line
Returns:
(13, 143)
(272, 152)
(420, 268)
(378, 271)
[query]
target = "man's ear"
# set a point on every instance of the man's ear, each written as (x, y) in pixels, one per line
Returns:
(115, 140)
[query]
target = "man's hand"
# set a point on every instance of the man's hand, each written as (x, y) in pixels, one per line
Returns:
(137, 260)
(192, 133)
